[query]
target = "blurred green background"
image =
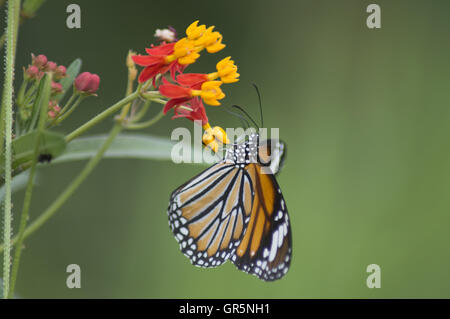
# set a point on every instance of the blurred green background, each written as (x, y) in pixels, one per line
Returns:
(365, 114)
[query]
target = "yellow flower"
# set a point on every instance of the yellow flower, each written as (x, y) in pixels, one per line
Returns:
(212, 41)
(204, 38)
(220, 135)
(213, 137)
(194, 31)
(210, 92)
(184, 51)
(226, 70)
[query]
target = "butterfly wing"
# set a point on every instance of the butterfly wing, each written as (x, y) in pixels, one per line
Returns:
(209, 214)
(266, 248)
(271, 154)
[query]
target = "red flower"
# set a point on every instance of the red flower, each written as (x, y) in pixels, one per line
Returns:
(192, 80)
(185, 105)
(156, 62)
(177, 94)
(174, 91)
(193, 110)
(174, 102)
(209, 91)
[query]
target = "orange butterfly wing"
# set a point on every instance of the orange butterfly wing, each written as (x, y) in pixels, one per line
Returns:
(266, 248)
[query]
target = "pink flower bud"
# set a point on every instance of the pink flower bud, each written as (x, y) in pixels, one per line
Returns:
(32, 72)
(60, 72)
(39, 61)
(87, 83)
(53, 109)
(51, 114)
(51, 66)
(56, 88)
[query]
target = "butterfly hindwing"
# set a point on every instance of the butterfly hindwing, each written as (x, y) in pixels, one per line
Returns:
(209, 214)
(266, 248)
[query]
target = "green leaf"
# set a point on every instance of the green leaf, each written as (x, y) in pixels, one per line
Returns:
(72, 72)
(137, 146)
(51, 143)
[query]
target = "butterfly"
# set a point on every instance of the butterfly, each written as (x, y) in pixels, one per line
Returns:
(234, 210)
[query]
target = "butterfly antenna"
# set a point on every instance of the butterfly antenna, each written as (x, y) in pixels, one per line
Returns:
(244, 121)
(260, 104)
(243, 111)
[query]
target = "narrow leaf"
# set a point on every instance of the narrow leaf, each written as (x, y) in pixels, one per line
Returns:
(124, 146)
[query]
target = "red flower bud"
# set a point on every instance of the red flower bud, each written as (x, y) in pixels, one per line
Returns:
(32, 72)
(87, 83)
(56, 88)
(60, 72)
(51, 66)
(39, 61)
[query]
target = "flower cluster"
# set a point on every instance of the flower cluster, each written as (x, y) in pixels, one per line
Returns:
(188, 91)
(33, 73)
(84, 84)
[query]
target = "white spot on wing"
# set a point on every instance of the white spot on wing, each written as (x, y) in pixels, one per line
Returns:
(273, 249)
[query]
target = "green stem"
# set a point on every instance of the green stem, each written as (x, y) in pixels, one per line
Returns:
(140, 114)
(2, 40)
(100, 117)
(30, 92)
(21, 93)
(13, 42)
(27, 200)
(19, 104)
(7, 118)
(67, 114)
(138, 126)
(68, 104)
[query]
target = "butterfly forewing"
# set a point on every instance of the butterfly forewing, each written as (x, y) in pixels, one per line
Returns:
(209, 214)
